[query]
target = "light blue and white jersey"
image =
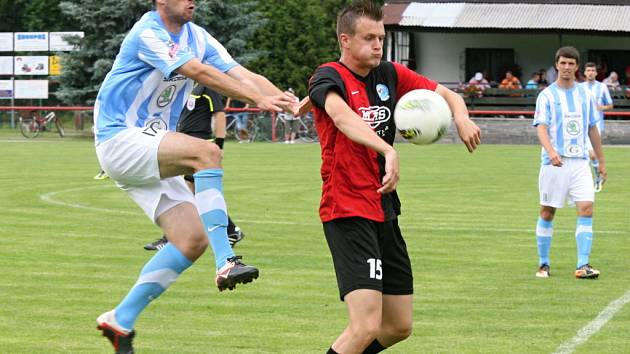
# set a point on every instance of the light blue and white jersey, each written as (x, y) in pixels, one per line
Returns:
(602, 97)
(568, 115)
(142, 88)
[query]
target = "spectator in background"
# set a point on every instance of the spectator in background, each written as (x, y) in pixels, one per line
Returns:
(532, 84)
(542, 82)
(552, 74)
(241, 117)
(510, 82)
(291, 124)
(612, 81)
(479, 82)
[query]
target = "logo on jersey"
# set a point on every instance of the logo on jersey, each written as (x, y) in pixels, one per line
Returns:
(152, 126)
(573, 127)
(574, 150)
(375, 115)
(172, 48)
(166, 96)
(383, 92)
(190, 104)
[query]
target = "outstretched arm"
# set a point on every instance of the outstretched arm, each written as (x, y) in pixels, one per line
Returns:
(468, 131)
(209, 76)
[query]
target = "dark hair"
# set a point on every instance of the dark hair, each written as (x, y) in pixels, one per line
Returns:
(568, 52)
(590, 64)
(347, 18)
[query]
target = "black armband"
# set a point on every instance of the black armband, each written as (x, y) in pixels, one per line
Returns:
(219, 142)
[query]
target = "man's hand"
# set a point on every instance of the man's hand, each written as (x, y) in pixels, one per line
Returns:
(277, 103)
(392, 172)
(469, 133)
(603, 174)
(555, 158)
(303, 107)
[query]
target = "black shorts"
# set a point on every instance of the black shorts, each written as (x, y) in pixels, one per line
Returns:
(369, 255)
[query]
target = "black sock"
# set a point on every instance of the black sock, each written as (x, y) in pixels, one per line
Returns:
(230, 226)
(331, 351)
(374, 347)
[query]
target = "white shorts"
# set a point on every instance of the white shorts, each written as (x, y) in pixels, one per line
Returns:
(130, 159)
(573, 182)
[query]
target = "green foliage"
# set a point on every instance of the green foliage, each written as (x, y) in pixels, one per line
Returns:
(299, 36)
(106, 22)
(33, 15)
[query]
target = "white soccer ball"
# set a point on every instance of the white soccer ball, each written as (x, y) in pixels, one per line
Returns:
(422, 116)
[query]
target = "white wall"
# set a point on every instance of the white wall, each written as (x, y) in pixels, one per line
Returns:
(441, 56)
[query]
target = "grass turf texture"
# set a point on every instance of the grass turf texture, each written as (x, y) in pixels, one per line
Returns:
(71, 247)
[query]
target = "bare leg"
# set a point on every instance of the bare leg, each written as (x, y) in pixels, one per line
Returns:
(364, 310)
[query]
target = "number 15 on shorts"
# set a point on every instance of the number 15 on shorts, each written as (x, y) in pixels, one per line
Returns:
(375, 268)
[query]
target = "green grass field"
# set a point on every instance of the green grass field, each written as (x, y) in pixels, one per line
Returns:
(71, 247)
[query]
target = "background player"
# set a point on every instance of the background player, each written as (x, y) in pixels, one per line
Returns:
(202, 114)
(135, 114)
(604, 102)
(566, 118)
(353, 100)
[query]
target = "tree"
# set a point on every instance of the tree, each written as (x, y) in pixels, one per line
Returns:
(299, 36)
(84, 70)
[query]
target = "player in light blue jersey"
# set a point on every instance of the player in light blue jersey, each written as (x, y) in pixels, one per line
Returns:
(135, 117)
(566, 118)
(603, 102)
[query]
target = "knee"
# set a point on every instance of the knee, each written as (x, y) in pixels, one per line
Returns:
(547, 214)
(208, 156)
(398, 332)
(367, 331)
(195, 245)
(586, 211)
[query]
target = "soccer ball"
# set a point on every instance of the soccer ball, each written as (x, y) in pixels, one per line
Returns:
(422, 116)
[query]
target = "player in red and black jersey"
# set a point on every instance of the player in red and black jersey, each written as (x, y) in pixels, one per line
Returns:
(354, 100)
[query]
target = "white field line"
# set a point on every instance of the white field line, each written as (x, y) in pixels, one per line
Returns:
(50, 198)
(594, 326)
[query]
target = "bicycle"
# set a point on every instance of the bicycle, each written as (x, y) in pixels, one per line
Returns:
(30, 127)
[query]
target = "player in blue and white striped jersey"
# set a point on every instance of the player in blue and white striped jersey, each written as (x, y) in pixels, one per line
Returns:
(566, 118)
(135, 116)
(603, 102)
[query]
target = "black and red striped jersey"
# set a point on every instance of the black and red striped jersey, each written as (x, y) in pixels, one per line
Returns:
(352, 173)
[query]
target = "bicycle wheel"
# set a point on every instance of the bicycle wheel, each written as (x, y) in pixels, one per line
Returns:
(262, 128)
(29, 128)
(306, 130)
(59, 126)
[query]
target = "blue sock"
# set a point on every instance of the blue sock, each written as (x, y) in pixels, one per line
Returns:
(213, 212)
(544, 231)
(157, 275)
(584, 239)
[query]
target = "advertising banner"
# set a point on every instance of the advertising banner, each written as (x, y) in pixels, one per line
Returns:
(6, 89)
(31, 65)
(31, 41)
(6, 41)
(31, 88)
(54, 65)
(6, 65)
(59, 44)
